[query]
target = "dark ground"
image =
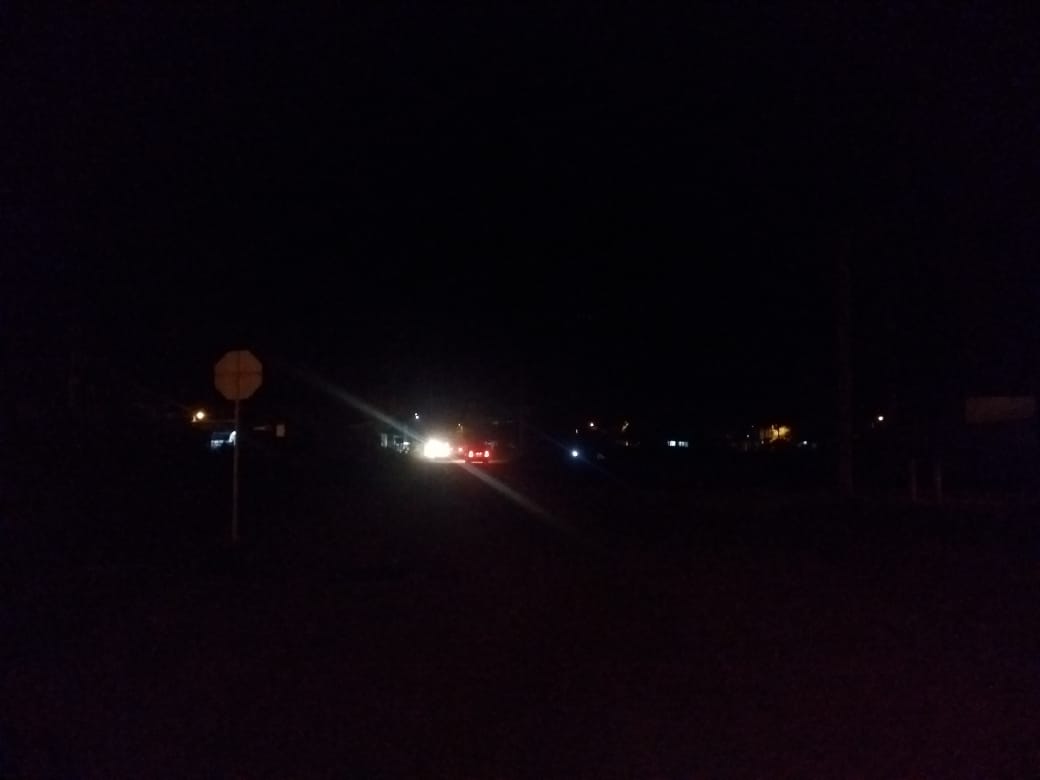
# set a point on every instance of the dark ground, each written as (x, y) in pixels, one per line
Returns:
(389, 619)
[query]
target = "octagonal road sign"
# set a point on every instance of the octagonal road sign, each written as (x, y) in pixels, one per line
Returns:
(238, 374)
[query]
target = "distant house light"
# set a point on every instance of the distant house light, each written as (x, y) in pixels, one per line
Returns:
(775, 433)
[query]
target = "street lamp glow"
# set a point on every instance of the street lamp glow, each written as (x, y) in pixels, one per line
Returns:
(881, 418)
(199, 416)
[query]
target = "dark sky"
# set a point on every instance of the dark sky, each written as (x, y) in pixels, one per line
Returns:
(621, 201)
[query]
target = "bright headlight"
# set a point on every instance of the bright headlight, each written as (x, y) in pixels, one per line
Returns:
(436, 448)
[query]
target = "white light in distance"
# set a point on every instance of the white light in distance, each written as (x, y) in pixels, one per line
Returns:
(436, 448)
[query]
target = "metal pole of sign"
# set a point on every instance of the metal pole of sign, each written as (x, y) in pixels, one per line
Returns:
(234, 478)
(937, 480)
(237, 376)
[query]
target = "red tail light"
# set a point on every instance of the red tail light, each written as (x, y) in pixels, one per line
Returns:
(487, 453)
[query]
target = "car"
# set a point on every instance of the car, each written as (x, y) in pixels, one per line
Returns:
(478, 452)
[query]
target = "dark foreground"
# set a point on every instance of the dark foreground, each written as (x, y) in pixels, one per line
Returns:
(387, 621)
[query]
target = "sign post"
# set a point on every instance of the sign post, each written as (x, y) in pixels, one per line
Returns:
(237, 375)
(234, 476)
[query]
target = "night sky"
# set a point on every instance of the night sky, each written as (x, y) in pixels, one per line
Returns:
(623, 206)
